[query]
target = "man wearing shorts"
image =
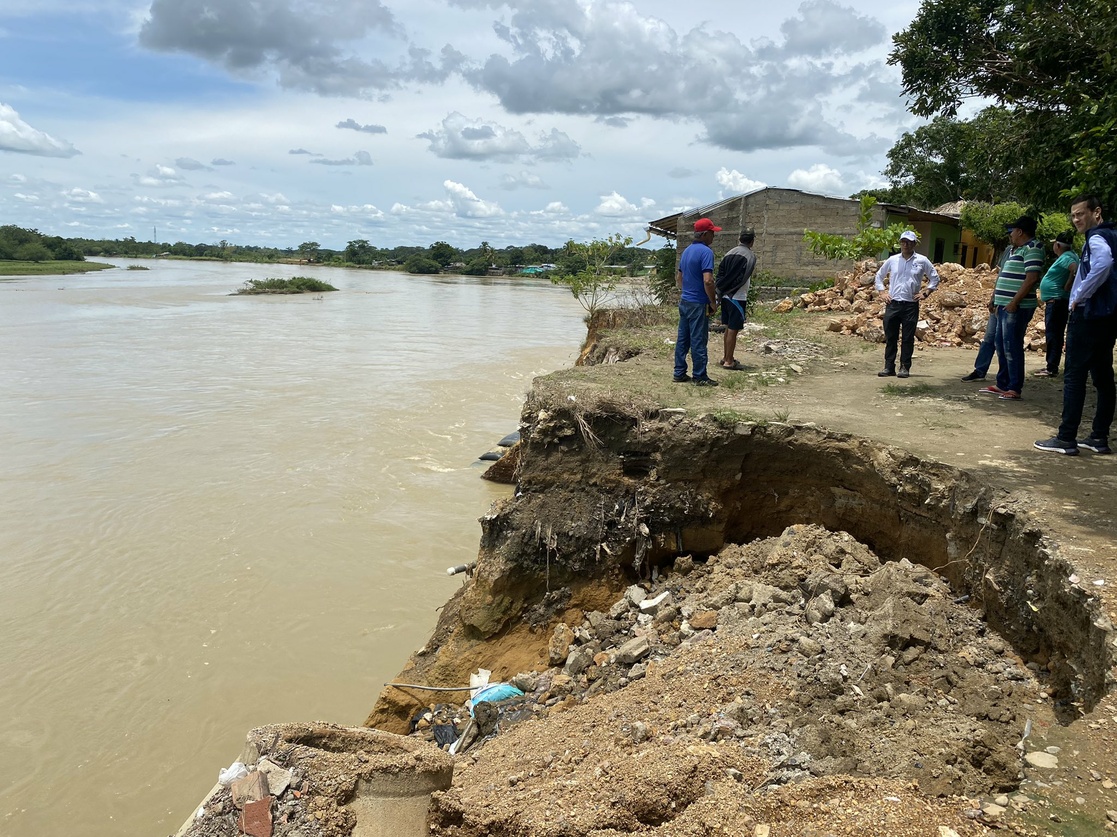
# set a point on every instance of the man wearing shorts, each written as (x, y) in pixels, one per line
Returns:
(733, 282)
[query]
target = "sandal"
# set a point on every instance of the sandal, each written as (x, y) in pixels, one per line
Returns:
(734, 365)
(1044, 373)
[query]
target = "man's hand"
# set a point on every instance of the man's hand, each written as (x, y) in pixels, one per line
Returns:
(711, 308)
(1012, 306)
(885, 297)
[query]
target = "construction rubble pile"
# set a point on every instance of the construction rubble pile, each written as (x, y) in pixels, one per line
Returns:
(798, 659)
(955, 315)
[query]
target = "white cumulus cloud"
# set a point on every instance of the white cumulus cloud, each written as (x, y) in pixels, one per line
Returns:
(614, 205)
(732, 182)
(82, 196)
(468, 205)
(818, 178)
(16, 135)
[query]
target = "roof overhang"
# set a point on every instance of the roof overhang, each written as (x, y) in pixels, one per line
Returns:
(667, 227)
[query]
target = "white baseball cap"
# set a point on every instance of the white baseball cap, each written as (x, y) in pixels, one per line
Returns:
(908, 235)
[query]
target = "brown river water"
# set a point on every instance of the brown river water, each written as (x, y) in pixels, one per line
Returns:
(221, 511)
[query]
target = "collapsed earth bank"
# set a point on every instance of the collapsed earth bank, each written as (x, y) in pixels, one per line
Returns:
(838, 612)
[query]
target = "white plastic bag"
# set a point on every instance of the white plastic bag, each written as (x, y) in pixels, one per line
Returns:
(230, 774)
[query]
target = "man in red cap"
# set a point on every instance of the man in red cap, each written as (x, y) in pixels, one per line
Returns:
(695, 277)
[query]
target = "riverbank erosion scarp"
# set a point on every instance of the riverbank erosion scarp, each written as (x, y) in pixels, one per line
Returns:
(606, 494)
(614, 490)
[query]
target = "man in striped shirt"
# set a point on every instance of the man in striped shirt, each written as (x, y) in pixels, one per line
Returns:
(1014, 303)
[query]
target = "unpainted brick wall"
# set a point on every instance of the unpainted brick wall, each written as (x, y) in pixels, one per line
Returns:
(779, 217)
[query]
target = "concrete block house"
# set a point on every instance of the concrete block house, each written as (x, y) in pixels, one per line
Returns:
(779, 217)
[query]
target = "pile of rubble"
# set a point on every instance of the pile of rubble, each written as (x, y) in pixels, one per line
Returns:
(798, 658)
(955, 315)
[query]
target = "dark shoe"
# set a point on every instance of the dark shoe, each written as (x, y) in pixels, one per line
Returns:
(1095, 444)
(681, 379)
(1057, 445)
(903, 373)
(992, 389)
(975, 376)
(706, 381)
(886, 373)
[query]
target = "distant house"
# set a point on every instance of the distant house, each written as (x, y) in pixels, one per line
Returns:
(780, 216)
(970, 251)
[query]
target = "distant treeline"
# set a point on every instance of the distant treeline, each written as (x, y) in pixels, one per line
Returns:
(18, 244)
(440, 257)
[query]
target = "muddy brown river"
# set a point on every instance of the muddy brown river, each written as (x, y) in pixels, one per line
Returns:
(218, 512)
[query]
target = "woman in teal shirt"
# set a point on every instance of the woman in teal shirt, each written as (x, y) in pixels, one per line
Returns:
(1054, 290)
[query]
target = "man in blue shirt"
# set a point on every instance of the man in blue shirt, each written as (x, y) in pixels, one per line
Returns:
(1091, 334)
(695, 277)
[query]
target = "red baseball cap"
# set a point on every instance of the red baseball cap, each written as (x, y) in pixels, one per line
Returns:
(705, 225)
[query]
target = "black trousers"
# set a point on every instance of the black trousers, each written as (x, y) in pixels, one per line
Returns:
(1089, 352)
(899, 316)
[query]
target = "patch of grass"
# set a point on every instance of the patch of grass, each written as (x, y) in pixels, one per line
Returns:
(733, 381)
(52, 268)
(294, 285)
(908, 389)
(781, 416)
(731, 418)
(138, 267)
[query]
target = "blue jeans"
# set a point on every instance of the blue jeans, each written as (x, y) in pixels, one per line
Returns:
(988, 346)
(1089, 351)
(1011, 326)
(694, 334)
(1055, 327)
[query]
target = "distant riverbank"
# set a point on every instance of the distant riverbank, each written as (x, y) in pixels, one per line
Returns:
(51, 268)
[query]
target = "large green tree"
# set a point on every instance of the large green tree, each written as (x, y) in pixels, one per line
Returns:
(952, 159)
(1051, 62)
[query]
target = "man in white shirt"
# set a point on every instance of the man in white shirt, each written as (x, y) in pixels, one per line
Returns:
(905, 272)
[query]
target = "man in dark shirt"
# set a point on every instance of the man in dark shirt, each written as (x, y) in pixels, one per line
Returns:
(733, 282)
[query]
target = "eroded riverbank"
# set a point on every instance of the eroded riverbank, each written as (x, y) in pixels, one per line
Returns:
(613, 488)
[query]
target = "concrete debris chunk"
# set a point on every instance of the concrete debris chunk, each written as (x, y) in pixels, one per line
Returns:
(250, 788)
(633, 650)
(278, 778)
(635, 594)
(1038, 758)
(652, 606)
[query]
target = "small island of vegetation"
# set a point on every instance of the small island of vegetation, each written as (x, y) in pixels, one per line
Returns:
(294, 285)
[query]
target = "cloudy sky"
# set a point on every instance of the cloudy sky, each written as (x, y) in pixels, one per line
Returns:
(275, 122)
